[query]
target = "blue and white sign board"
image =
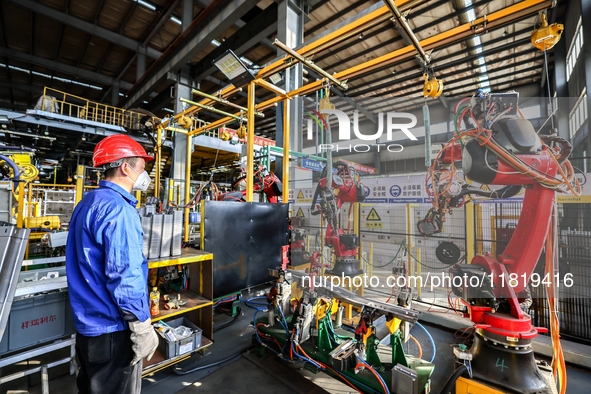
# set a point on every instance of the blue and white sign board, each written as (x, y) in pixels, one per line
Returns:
(395, 189)
(313, 165)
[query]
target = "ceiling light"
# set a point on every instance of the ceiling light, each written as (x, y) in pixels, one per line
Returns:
(361, 36)
(233, 68)
(276, 78)
(147, 5)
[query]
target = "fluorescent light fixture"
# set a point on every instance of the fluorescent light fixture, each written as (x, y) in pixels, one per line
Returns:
(176, 20)
(233, 68)
(50, 77)
(146, 4)
(471, 15)
(216, 43)
(245, 60)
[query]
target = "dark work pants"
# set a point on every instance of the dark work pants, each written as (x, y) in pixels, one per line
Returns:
(104, 364)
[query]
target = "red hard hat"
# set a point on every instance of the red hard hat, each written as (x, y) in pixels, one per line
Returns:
(116, 147)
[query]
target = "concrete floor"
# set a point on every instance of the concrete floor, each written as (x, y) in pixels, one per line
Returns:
(249, 374)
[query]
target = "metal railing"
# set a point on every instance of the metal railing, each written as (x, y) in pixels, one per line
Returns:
(67, 104)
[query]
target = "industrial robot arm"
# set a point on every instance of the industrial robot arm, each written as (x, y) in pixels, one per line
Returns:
(330, 195)
(496, 146)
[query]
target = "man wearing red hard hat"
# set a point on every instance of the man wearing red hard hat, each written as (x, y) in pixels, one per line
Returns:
(107, 274)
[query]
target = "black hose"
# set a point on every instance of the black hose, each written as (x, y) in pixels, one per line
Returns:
(15, 169)
(452, 379)
(19, 148)
(226, 324)
(180, 372)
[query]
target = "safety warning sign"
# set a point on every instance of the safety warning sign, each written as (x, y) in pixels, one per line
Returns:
(373, 220)
(300, 213)
(373, 216)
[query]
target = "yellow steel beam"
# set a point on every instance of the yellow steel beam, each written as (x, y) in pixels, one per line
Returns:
(286, 137)
(366, 22)
(491, 21)
(21, 205)
(353, 29)
(270, 87)
(79, 183)
(250, 142)
(157, 155)
(187, 189)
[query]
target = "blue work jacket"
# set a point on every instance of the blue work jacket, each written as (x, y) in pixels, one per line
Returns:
(106, 269)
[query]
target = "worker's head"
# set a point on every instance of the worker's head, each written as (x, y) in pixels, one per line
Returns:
(124, 161)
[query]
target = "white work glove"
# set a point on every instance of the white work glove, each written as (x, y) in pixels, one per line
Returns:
(144, 340)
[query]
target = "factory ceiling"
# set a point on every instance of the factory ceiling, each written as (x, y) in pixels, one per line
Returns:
(129, 53)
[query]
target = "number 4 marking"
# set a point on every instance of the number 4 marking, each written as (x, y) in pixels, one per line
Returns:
(502, 364)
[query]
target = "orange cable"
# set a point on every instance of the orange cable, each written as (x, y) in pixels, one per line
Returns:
(418, 345)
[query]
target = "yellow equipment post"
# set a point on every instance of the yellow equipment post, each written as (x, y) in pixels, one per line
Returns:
(470, 231)
(79, 183)
(21, 205)
(286, 137)
(157, 163)
(250, 143)
(187, 188)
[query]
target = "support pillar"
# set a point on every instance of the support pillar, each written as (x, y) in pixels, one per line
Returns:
(114, 95)
(290, 31)
(561, 89)
(180, 171)
(179, 164)
(140, 66)
(586, 54)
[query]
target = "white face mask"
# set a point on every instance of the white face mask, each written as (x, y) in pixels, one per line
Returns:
(142, 182)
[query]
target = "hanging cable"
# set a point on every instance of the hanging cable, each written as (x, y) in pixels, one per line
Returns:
(430, 338)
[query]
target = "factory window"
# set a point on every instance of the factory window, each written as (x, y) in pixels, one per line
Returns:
(575, 50)
(578, 114)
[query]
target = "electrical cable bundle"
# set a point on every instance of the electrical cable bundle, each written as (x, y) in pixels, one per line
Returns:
(558, 362)
(483, 134)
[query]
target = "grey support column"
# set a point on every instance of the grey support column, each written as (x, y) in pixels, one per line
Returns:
(179, 164)
(586, 15)
(561, 89)
(290, 31)
(187, 16)
(114, 95)
(182, 89)
(140, 66)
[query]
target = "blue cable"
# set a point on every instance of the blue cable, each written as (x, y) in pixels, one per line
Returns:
(357, 382)
(305, 358)
(256, 331)
(256, 305)
(431, 339)
(283, 321)
(377, 374)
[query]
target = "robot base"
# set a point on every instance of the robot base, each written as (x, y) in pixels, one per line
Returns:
(345, 267)
(507, 366)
